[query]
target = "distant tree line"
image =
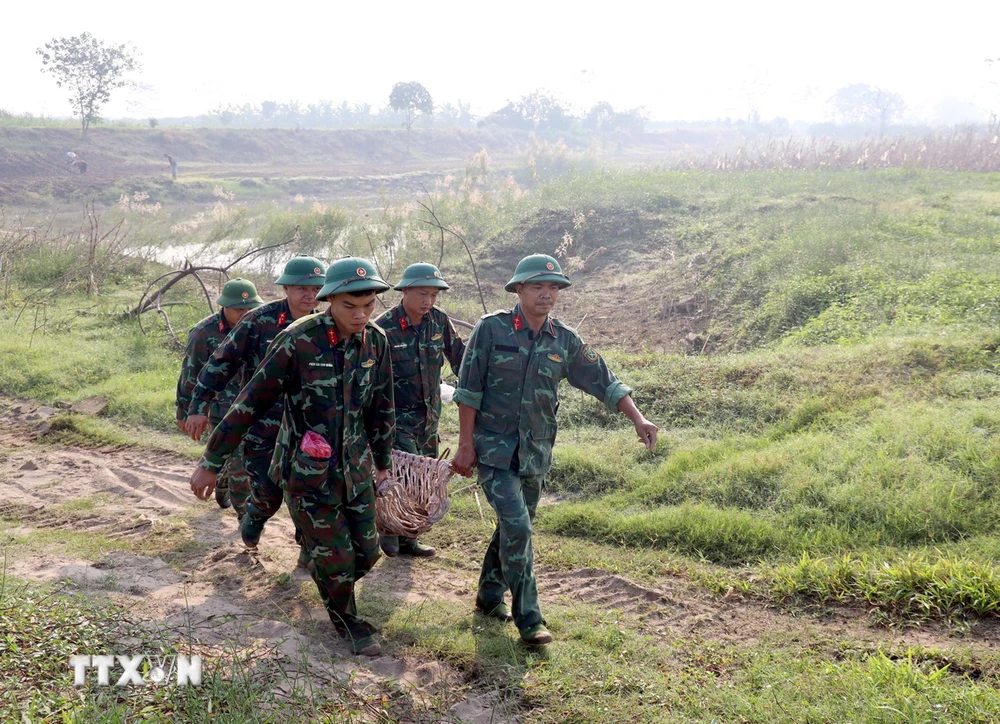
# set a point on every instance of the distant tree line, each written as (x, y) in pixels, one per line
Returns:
(90, 69)
(537, 111)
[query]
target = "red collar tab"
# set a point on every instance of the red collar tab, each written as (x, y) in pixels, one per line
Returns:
(404, 322)
(222, 325)
(331, 334)
(552, 328)
(518, 323)
(282, 318)
(364, 336)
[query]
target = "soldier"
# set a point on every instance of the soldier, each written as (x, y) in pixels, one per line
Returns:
(255, 496)
(237, 298)
(335, 374)
(420, 337)
(507, 400)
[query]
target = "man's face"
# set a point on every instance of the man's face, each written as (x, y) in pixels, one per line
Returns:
(351, 313)
(417, 301)
(301, 299)
(537, 298)
(233, 315)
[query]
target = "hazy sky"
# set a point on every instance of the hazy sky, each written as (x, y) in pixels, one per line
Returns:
(692, 60)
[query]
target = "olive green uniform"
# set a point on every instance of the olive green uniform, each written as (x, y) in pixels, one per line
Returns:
(511, 377)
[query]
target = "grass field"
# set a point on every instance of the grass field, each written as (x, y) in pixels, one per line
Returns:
(832, 441)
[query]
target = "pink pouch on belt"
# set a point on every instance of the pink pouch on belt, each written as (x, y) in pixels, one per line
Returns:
(315, 446)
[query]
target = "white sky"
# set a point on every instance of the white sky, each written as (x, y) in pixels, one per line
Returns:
(690, 60)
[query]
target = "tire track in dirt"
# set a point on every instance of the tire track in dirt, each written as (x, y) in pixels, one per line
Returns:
(675, 609)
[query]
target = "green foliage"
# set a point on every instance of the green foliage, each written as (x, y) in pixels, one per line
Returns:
(409, 98)
(317, 233)
(729, 535)
(40, 631)
(90, 68)
(914, 585)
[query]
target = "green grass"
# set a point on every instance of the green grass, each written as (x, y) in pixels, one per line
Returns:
(604, 670)
(42, 626)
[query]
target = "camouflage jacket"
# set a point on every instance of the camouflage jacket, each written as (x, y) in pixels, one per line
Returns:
(511, 377)
(239, 355)
(338, 387)
(418, 354)
(203, 339)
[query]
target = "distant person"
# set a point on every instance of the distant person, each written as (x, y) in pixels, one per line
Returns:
(173, 165)
(70, 157)
(80, 166)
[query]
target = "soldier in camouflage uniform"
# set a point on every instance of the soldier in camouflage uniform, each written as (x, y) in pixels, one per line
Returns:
(334, 372)
(255, 495)
(421, 337)
(507, 400)
(237, 298)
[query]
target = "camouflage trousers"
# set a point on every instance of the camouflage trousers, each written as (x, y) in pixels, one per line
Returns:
(261, 496)
(231, 468)
(509, 561)
(343, 544)
(237, 479)
(419, 443)
(416, 441)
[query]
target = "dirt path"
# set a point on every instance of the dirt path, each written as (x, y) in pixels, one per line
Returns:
(182, 565)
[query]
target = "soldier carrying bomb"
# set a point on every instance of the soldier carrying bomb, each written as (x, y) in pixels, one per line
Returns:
(507, 398)
(421, 337)
(237, 298)
(333, 371)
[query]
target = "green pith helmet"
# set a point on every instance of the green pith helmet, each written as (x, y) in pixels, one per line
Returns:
(239, 294)
(422, 274)
(302, 271)
(537, 268)
(351, 274)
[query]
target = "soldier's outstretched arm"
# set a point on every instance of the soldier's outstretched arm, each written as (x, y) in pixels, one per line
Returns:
(465, 459)
(589, 372)
(224, 364)
(469, 395)
(643, 428)
(254, 402)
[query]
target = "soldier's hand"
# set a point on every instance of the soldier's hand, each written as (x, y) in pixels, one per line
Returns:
(202, 483)
(381, 478)
(180, 425)
(646, 432)
(195, 426)
(464, 461)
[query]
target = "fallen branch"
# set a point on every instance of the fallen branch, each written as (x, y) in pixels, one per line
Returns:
(147, 300)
